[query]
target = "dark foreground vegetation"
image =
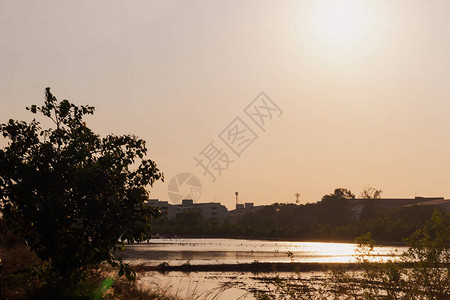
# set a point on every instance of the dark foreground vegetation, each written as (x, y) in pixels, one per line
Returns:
(25, 276)
(72, 197)
(330, 219)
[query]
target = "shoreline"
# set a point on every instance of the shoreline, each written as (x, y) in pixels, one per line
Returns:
(377, 243)
(256, 267)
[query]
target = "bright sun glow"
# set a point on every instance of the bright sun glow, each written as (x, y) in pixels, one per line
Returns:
(340, 23)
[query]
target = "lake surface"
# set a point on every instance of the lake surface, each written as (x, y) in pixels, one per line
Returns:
(207, 285)
(229, 251)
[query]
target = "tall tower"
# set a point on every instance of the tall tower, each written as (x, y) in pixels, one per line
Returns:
(297, 195)
(236, 193)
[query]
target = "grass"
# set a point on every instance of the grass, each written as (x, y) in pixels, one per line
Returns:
(18, 263)
(24, 276)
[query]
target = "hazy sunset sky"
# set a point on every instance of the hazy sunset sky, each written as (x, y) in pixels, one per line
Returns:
(363, 86)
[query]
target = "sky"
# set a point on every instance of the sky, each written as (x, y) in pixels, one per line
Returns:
(361, 88)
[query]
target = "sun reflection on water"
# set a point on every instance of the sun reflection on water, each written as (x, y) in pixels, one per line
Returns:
(218, 251)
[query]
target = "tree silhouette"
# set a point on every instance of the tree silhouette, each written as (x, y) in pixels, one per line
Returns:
(335, 208)
(371, 193)
(72, 195)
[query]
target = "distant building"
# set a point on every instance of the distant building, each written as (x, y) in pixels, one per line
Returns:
(218, 212)
(169, 209)
(210, 211)
(240, 206)
(357, 205)
(438, 202)
(241, 210)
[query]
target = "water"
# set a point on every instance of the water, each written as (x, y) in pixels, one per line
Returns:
(233, 251)
(229, 251)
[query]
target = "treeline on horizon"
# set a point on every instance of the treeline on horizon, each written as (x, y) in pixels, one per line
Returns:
(330, 219)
